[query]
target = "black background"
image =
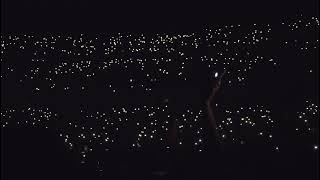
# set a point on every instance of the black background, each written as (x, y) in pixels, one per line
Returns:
(97, 16)
(146, 16)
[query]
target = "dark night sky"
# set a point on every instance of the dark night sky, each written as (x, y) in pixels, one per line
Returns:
(140, 15)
